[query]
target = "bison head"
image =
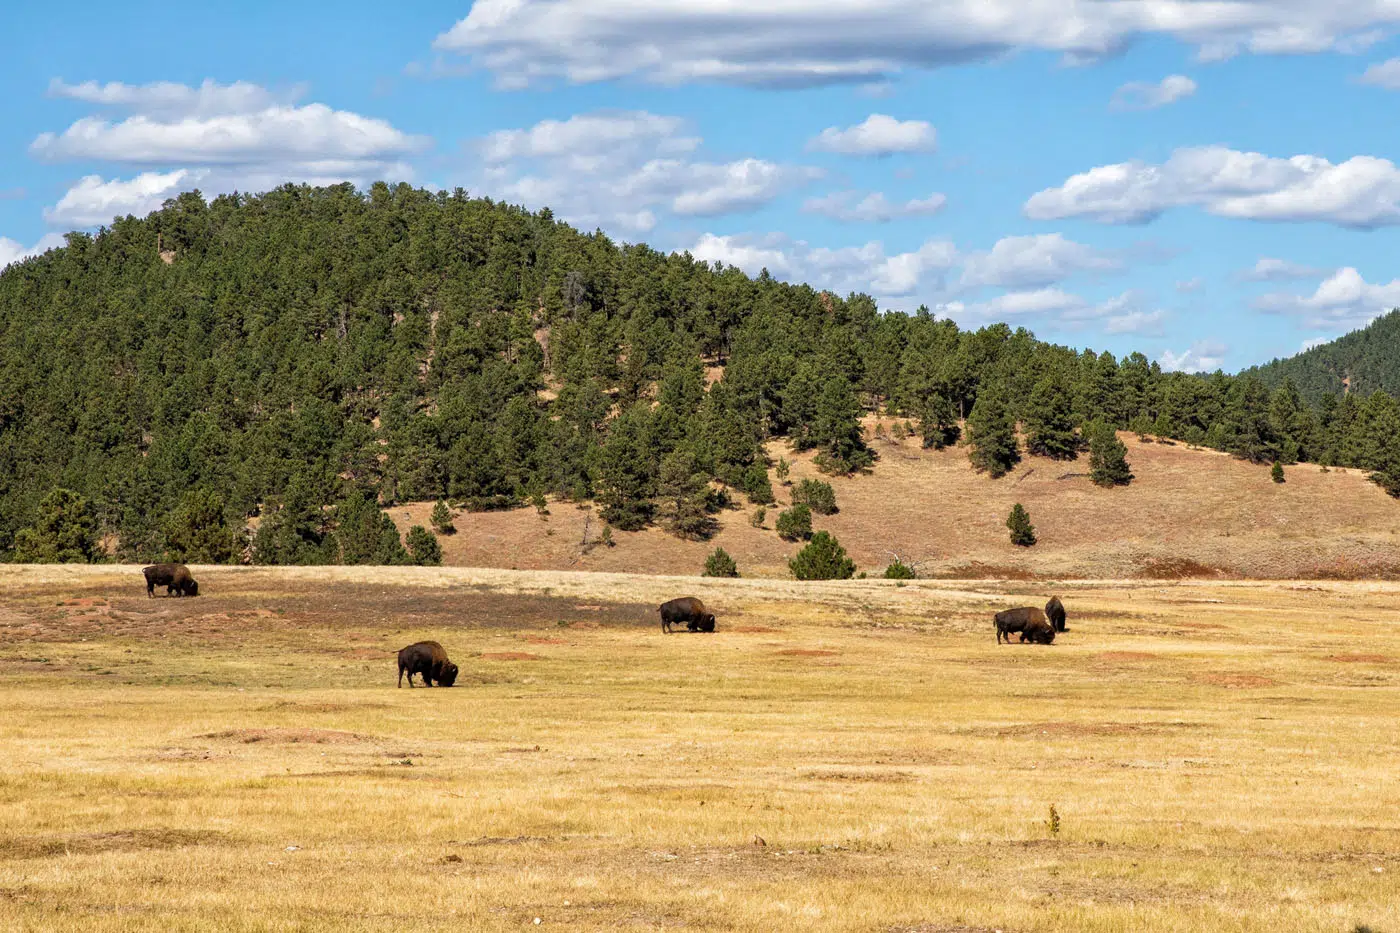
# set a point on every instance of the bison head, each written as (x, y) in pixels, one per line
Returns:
(192, 588)
(707, 624)
(448, 676)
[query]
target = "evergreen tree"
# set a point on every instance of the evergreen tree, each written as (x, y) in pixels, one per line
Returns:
(682, 498)
(938, 422)
(365, 535)
(442, 519)
(720, 564)
(626, 480)
(898, 570)
(756, 485)
(1019, 523)
(837, 432)
(783, 470)
(1049, 421)
(795, 523)
(992, 433)
(816, 495)
(1277, 472)
(822, 559)
(423, 547)
(199, 533)
(1108, 457)
(64, 533)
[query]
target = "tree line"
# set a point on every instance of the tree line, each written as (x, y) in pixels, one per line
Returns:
(313, 353)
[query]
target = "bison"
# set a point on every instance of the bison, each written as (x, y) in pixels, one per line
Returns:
(1055, 612)
(174, 577)
(689, 610)
(427, 659)
(1016, 620)
(1038, 632)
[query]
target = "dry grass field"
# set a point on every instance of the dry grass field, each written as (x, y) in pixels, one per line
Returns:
(1189, 512)
(838, 757)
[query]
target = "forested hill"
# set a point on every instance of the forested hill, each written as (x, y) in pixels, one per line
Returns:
(299, 356)
(1362, 361)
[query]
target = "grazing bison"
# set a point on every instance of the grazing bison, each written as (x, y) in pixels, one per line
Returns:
(1038, 632)
(689, 610)
(1055, 612)
(426, 658)
(174, 577)
(1016, 620)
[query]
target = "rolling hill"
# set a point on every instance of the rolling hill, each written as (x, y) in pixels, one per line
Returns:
(1361, 362)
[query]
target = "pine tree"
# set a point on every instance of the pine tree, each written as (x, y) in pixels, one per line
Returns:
(682, 500)
(938, 422)
(65, 532)
(816, 495)
(1019, 523)
(199, 533)
(992, 433)
(720, 564)
(1277, 472)
(795, 523)
(784, 469)
(365, 535)
(822, 559)
(1049, 421)
(836, 430)
(1108, 457)
(423, 547)
(756, 484)
(626, 479)
(442, 519)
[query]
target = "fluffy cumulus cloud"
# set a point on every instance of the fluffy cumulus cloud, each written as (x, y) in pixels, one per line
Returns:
(852, 207)
(1020, 262)
(1344, 299)
(220, 137)
(1279, 270)
(1121, 314)
(623, 170)
(1142, 95)
(1384, 74)
(1203, 356)
(1361, 193)
(877, 135)
(867, 268)
(12, 251)
(813, 42)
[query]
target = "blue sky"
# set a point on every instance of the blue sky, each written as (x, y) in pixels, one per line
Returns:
(1210, 183)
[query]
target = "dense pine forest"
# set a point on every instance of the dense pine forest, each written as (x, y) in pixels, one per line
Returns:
(1361, 362)
(296, 359)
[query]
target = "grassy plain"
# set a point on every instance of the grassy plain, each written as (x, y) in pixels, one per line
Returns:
(838, 757)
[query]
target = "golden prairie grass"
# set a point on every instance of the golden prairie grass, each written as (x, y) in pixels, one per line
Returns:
(849, 757)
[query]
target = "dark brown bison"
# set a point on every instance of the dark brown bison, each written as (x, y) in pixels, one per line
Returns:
(1055, 612)
(427, 659)
(174, 577)
(688, 610)
(1038, 632)
(1016, 620)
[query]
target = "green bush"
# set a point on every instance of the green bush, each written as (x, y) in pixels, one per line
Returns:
(816, 495)
(899, 571)
(720, 564)
(1022, 531)
(756, 485)
(442, 519)
(423, 547)
(1277, 472)
(795, 523)
(822, 559)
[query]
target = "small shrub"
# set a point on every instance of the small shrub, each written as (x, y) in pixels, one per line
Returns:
(1053, 823)
(756, 485)
(1277, 472)
(442, 519)
(491, 503)
(795, 524)
(898, 431)
(899, 570)
(1019, 522)
(540, 503)
(423, 547)
(606, 537)
(783, 470)
(759, 515)
(720, 564)
(816, 495)
(822, 559)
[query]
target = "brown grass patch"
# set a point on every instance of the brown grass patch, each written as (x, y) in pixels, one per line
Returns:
(1176, 568)
(1235, 680)
(290, 736)
(130, 840)
(511, 656)
(870, 777)
(1360, 658)
(301, 707)
(542, 640)
(751, 629)
(807, 653)
(1073, 729)
(1126, 656)
(980, 571)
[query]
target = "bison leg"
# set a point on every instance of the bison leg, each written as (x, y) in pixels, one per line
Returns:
(150, 590)
(410, 680)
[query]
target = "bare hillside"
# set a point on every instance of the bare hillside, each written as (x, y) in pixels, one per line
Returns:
(1188, 513)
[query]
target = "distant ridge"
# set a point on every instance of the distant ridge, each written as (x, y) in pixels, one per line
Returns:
(1360, 362)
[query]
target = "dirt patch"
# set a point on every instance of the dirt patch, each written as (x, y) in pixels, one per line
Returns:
(290, 736)
(294, 706)
(1203, 626)
(542, 640)
(1235, 680)
(134, 840)
(980, 571)
(751, 629)
(367, 654)
(807, 653)
(1176, 568)
(1360, 658)
(511, 656)
(871, 777)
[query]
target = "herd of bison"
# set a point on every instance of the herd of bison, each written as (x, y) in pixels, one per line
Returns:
(429, 661)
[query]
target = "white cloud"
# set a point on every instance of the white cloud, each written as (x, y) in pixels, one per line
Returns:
(1280, 270)
(1343, 299)
(12, 251)
(1384, 74)
(1143, 95)
(1313, 342)
(1362, 192)
(878, 135)
(1136, 322)
(872, 208)
(168, 99)
(621, 170)
(865, 268)
(1188, 286)
(93, 201)
(1117, 315)
(1030, 261)
(1204, 356)
(811, 42)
